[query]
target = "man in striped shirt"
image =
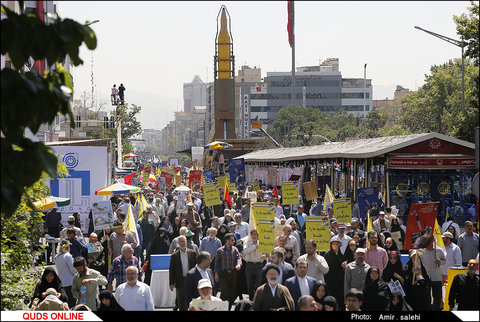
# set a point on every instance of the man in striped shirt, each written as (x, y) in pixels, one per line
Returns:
(228, 262)
(118, 270)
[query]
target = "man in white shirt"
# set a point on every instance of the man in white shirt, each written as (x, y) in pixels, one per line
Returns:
(205, 291)
(341, 228)
(134, 295)
(291, 241)
(242, 227)
(453, 253)
(278, 208)
(317, 265)
(71, 226)
(254, 259)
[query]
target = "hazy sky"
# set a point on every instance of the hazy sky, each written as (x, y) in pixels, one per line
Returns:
(153, 48)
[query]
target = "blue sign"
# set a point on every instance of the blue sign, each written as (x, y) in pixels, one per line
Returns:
(366, 197)
(236, 168)
(208, 176)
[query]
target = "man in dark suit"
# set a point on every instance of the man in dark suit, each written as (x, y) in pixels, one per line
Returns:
(200, 271)
(301, 284)
(272, 296)
(181, 261)
(286, 271)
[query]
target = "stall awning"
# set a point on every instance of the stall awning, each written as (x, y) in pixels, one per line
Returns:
(355, 149)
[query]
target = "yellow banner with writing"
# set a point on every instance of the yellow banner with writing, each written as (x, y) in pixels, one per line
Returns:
(263, 216)
(289, 193)
(211, 195)
(342, 210)
(317, 229)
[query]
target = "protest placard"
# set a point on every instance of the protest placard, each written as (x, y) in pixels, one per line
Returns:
(206, 305)
(289, 193)
(263, 216)
(421, 215)
(317, 229)
(102, 213)
(342, 210)
(236, 169)
(310, 189)
(92, 247)
(211, 195)
(256, 185)
(366, 197)
(221, 182)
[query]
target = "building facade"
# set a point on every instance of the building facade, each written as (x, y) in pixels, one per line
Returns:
(194, 94)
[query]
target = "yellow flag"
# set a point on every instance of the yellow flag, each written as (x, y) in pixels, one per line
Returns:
(139, 207)
(129, 224)
(369, 223)
(438, 235)
(329, 198)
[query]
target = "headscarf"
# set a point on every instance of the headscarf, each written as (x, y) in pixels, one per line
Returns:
(160, 244)
(388, 271)
(375, 292)
(221, 235)
(330, 301)
(114, 306)
(43, 285)
(349, 255)
(315, 288)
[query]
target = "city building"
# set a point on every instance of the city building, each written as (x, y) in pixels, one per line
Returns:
(194, 94)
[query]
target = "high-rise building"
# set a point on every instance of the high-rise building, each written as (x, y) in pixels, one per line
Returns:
(194, 94)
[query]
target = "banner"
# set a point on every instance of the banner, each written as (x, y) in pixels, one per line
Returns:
(342, 210)
(263, 216)
(289, 193)
(178, 179)
(195, 179)
(421, 215)
(211, 195)
(173, 162)
(329, 198)
(197, 152)
(310, 189)
(168, 177)
(221, 181)
(366, 197)
(236, 168)
(102, 213)
(208, 176)
(318, 229)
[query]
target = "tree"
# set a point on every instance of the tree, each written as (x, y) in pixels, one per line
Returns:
(20, 232)
(436, 106)
(467, 29)
(30, 99)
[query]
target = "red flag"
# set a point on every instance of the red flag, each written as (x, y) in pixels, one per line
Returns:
(128, 179)
(275, 192)
(226, 195)
(290, 23)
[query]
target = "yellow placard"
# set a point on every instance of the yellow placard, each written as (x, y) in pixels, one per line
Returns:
(263, 216)
(221, 182)
(310, 189)
(256, 185)
(178, 179)
(231, 186)
(317, 229)
(289, 193)
(211, 195)
(342, 210)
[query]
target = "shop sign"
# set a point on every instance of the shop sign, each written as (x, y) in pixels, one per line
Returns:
(400, 162)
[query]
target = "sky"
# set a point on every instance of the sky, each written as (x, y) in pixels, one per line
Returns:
(153, 48)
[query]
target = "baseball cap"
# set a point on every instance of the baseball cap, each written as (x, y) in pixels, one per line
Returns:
(341, 225)
(189, 233)
(204, 282)
(447, 234)
(360, 250)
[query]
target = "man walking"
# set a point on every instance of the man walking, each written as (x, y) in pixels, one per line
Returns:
(254, 260)
(134, 295)
(85, 283)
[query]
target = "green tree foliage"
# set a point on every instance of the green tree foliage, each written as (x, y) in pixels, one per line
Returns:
(30, 99)
(20, 232)
(467, 29)
(437, 105)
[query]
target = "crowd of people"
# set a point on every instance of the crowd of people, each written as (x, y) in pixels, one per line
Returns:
(215, 256)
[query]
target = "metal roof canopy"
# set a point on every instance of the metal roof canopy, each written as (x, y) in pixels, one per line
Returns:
(354, 149)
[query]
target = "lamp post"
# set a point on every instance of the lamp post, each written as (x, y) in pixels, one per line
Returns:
(457, 43)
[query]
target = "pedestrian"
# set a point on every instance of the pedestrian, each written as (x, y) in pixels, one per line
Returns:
(228, 262)
(356, 272)
(394, 269)
(95, 257)
(330, 304)
(335, 278)
(273, 296)
(320, 292)
(108, 302)
(66, 271)
(291, 241)
(134, 295)
(452, 252)
(193, 218)
(200, 271)
(52, 226)
(48, 280)
(204, 289)
(148, 233)
(434, 259)
(159, 245)
(70, 226)
(286, 270)
(417, 283)
(317, 264)
(375, 292)
(397, 303)
(353, 299)
(211, 244)
(114, 94)
(222, 231)
(254, 263)
(246, 210)
(381, 224)
(468, 243)
(349, 254)
(375, 255)
(241, 227)
(298, 234)
(78, 246)
(464, 291)
(307, 303)
(85, 283)
(181, 261)
(121, 93)
(300, 284)
(117, 239)
(119, 266)
(51, 302)
(344, 238)
(390, 245)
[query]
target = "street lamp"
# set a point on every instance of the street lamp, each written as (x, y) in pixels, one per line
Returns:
(457, 43)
